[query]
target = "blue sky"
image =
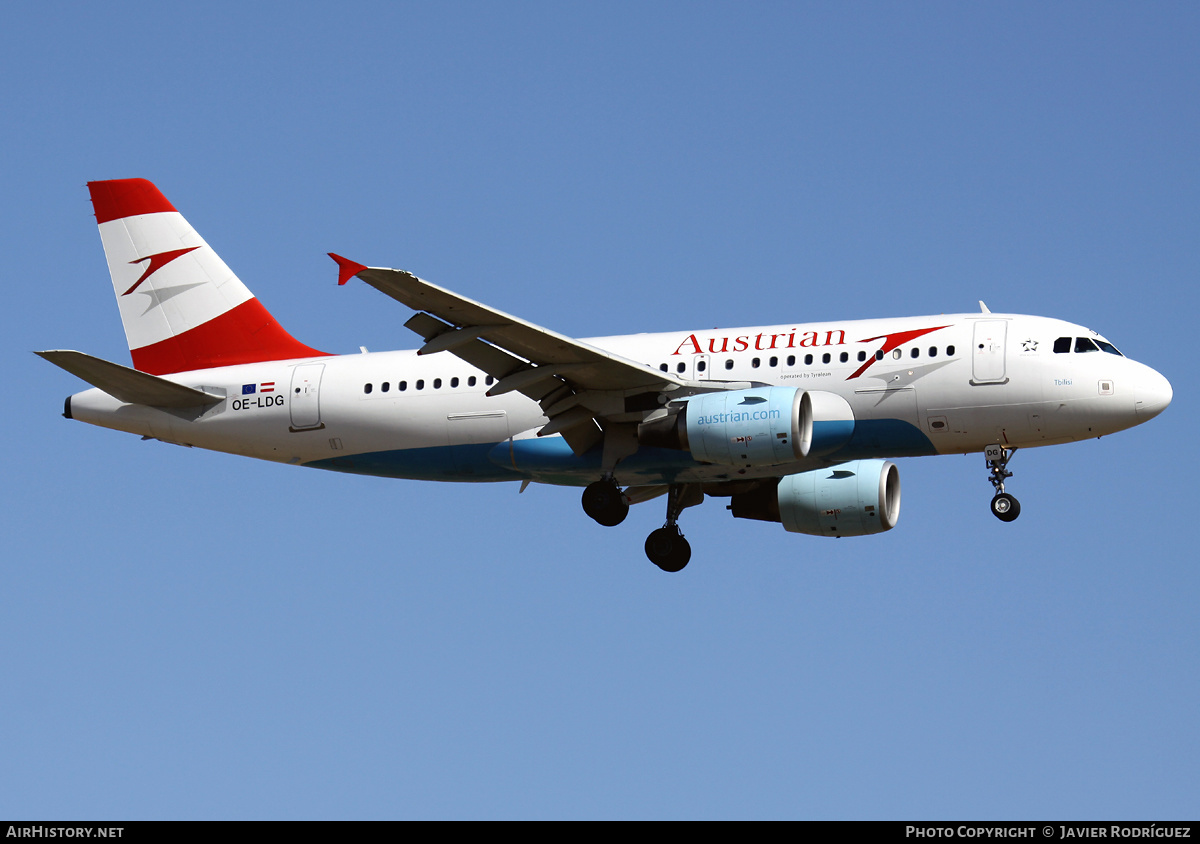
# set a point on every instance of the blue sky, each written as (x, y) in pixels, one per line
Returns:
(193, 635)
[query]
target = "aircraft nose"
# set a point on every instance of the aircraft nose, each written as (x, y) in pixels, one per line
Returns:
(1152, 395)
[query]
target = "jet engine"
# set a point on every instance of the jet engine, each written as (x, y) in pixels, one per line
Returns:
(851, 499)
(765, 426)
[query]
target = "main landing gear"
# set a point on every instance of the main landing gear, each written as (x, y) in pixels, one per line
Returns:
(1005, 507)
(668, 549)
(666, 546)
(604, 501)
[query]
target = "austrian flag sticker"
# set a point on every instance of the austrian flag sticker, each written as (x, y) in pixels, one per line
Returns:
(264, 387)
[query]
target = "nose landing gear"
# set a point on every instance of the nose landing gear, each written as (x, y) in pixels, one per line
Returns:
(1005, 507)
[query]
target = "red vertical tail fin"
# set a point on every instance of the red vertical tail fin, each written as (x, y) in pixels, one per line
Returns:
(181, 306)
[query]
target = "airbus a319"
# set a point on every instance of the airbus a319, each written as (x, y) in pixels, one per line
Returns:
(794, 423)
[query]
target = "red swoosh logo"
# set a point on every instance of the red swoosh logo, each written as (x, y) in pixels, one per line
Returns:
(157, 262)
(893, 341)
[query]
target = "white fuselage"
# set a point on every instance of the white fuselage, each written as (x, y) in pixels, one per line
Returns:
(916, 385)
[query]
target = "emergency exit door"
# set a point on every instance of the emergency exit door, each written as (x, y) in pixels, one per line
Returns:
(306, 396)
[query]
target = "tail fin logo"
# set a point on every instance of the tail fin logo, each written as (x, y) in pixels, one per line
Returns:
(157, 262)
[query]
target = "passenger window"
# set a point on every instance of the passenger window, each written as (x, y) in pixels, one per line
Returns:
(845, 356)
(729, 364)
(755, 362)
(453, 382)
(663, 367)
(774, 361)
(1083, 344)
(862, 356)
(791, 360)
(437, 383)
(471, 381)
(488, 381)
(915, 352)
(679, 367)
(879, 354)
(933, 351)
(402, 386)
(896, 354)
(808, 360)
(950, 351)
(700, 366)
(1062, 345)
(825, 358)
(383, 388)
(367, 388)
(420, 384)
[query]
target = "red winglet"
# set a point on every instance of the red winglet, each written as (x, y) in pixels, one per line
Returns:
(347, 269)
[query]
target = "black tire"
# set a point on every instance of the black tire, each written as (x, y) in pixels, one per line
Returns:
(668, 550)
(604, 502)
(1005, 507)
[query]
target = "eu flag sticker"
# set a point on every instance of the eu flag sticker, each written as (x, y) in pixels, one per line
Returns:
(248, 389)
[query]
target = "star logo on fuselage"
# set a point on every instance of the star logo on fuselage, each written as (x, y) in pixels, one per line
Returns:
(157, 262)
(1029, 345)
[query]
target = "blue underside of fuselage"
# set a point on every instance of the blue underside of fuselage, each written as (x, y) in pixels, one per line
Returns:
(550, 459)
(437, 463)
(885, 438)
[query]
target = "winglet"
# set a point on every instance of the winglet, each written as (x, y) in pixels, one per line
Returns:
(347, 269)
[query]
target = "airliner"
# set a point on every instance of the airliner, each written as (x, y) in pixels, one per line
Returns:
(795, 423)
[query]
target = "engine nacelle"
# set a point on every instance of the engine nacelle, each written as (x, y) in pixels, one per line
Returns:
(852, 499)
(758, 427)
(764, 426)
(828, 422)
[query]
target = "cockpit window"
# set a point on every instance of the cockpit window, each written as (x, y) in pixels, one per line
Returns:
(1062, 345)
(1105, 346)
(1084, 344)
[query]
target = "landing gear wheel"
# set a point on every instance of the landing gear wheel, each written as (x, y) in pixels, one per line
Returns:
(667, 549)
(604, 502)
(1005, 507)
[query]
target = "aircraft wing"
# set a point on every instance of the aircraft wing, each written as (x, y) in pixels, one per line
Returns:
(576, 384)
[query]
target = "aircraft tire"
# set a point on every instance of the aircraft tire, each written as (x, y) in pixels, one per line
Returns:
(604, 502)
(1005, 507)
(667, 549)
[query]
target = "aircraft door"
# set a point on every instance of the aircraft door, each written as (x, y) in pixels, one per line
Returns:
(305, 397)
(987, 351)
(700, 370)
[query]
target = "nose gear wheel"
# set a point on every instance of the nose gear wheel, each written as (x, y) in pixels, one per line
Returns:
(1005, 507)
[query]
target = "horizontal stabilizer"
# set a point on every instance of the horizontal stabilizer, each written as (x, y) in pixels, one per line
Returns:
(128, 385)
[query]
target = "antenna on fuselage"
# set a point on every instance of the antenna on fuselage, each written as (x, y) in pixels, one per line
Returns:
(983, 309)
